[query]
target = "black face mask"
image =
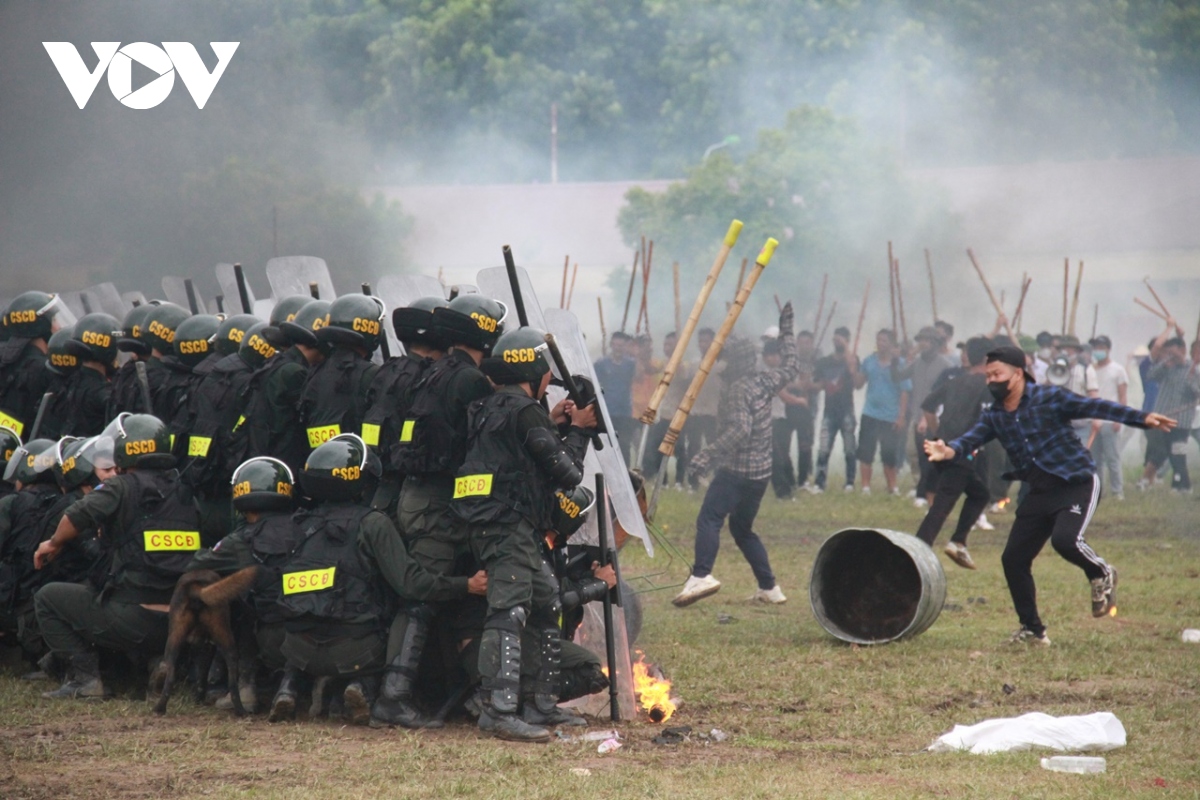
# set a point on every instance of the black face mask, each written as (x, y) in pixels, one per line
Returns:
(999, 390)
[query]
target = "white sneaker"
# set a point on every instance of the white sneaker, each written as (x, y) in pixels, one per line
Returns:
(849, 488)
(921, 502)
(912, 493)
(983, 524)
(959, 555)
(894, 491)
(696, 589)
(865, 490)
(814, 489)
(773, 596)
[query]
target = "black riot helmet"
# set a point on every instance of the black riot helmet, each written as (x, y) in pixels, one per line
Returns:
(415, 322)
(233, 331)
(133, 337)
(311, 317)
(355, 320)
(95, 338)
(36, 315)
(472, 320)
(287, 308)
(161, 325)
(258, 345)
(73, 465)
(518, 356)
(137, 440)
(9, 442)
(263, 484)
(342, 469)
(62, 355)
(32, 462)
(571, 509)
(196, 338)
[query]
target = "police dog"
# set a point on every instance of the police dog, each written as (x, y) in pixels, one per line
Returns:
(199, 614)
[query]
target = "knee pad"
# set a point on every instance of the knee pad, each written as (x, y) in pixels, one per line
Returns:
(510, 619)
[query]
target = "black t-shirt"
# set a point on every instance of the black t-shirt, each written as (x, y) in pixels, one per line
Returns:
(839, 390)
(961, 400)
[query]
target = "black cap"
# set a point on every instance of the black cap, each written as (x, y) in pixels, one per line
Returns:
(1013, 356)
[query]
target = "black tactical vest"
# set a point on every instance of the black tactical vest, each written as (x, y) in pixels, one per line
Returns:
(262, 433)
(334, 397)
(499, 482)
(87, 397)
(391, 399)
(23, 381)
(126, 390)
(29, 508)
(205, 442)
(433, 440)
(171, 392)
(273, 538)
(78, 561)
(327, 579)
(158, 533)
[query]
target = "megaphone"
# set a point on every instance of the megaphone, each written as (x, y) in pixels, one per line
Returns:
(1059, 372)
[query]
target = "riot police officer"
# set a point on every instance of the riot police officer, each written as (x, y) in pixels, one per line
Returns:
(9, 442)
(171, 381)
(337, 591)
(63, 364)
(89, 389)
(126, 390)
(152, 530)
(505, 491)
(30, 320)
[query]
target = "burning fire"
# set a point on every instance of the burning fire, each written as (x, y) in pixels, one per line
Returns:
(1112, 612)
(1002, 503)
(652, 690)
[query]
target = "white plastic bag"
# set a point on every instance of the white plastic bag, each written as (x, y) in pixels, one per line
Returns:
(1099, 731)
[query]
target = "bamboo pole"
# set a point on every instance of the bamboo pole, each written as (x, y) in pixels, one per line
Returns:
(667, 448)
(1150, 308)
(900, 302)
(932, 288)
(1157, 299)
(1066, 290)
(741, 277)
(861, 315)
(991, 296)
(892, 286)
(562, 295)
(685, 335)
(778, 305)
(820, 303)
(825, 327)
(678, 309)
(1095, 319)
(629, 295)
(1016, 320)
(644, 310)
(571, 291)
(603, 331)
(1075, 300)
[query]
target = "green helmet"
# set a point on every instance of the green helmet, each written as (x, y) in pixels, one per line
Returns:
(161, 325)
(233, 331)
(472, 320)
(341, 469)
(263, 484)
(73, 462)
(355, 320)
(9, 442)
(133, 338)
(258, 345)
(571, 509)
(36, 315)
(95, 337)
(196, 338)
(517, 357)
(311, 317)
(32, 462)
(137, 440)
(62, 354)
(287, 308)
(415, 322)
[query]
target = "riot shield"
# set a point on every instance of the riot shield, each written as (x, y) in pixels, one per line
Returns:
(493, 282)
(293, 274)
(75, 302)
(229, 290)
(133, 299)
(176, 291)
(105, 297)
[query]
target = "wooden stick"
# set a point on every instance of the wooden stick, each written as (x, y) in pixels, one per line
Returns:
(629, 295)
(571, 291)
(562, 296)
(992, 297)
(678, 309)
(1016, 320)
(1075, 300)
(1157, 299)
(900, 302)
(778, 305)
(861, 315)
(932, 288)
(825, 327)
(892, 286)
(1066, 290)
(603, 331)
(741, 277)
(1150, 308)
(820, 304)
(667, 448)
(441, 277)
(685, 335)
(1095, 319)
(644, 311)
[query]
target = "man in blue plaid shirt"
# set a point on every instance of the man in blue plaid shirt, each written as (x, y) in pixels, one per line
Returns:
(1033, 423)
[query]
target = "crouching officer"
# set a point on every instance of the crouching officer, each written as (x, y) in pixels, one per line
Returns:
(338, 591)
(152, 532)
(29, 322)
(505, 491)
(88, 391)
(264, 536)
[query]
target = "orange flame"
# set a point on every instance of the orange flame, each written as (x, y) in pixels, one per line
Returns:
(1003, 502)
(653, 692)
(1112, 612)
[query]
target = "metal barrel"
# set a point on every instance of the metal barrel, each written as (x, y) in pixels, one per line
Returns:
(873, 586)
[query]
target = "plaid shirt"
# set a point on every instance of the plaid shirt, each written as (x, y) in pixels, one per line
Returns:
(1039, 433)
(744, 444)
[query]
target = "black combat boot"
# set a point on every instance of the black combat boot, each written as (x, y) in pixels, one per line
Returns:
(283, 707)
(540, 706)
(83, 680)
(499, 716)
(395, 705)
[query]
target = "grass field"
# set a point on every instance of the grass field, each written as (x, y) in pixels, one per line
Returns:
(808, 716)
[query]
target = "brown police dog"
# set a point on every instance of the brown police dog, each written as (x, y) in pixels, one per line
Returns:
(200, 613)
